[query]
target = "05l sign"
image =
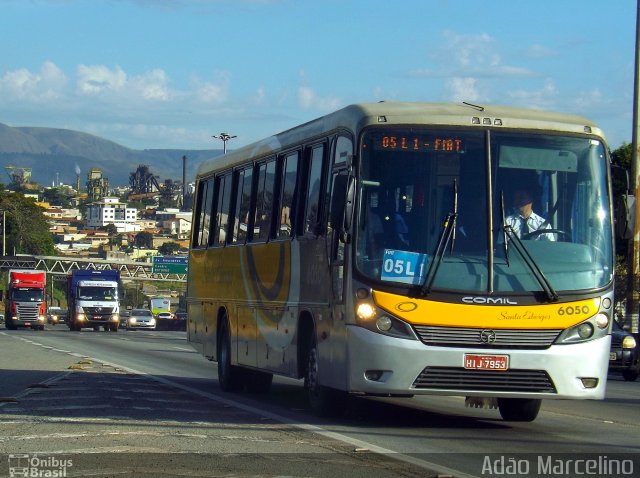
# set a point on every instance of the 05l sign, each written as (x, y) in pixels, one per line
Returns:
(403, 266)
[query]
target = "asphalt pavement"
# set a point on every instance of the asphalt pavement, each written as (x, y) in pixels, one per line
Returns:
(66, 414)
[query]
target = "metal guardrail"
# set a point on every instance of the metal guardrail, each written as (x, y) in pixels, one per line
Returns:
(55, 265)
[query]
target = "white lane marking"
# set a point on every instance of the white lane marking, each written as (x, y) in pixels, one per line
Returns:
(279, 418)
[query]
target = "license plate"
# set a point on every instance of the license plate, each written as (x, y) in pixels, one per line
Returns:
(612, 356)
(486, 362)
(97, 317)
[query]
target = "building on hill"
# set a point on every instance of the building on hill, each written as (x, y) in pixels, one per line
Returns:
(111, 210)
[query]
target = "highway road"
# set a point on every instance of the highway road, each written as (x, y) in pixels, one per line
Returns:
(138, 399)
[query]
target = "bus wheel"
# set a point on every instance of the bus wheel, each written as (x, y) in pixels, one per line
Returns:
(519, 409)
(324, 401)
(9, 324)
(257, 382)
(229, 376)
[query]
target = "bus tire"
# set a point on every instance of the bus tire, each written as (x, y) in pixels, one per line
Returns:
(323, 401)
(257, 381)
(9, 325)
(519, 409)
(229, 376)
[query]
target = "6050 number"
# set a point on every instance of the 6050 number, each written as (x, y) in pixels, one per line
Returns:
(574, 310)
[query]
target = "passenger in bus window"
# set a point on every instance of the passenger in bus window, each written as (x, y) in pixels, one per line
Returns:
(525, 222)
(285, 222)
(396, 230)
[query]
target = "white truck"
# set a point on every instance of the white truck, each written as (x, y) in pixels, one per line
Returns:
(93, 297)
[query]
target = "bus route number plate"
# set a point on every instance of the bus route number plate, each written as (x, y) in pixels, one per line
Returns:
(486, 362)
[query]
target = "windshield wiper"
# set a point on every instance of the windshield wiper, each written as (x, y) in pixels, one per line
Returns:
(510, 235)
(447, 234)
(504, 230)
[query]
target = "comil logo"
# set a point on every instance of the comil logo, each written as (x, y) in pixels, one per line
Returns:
(488, 300)
(38, 466)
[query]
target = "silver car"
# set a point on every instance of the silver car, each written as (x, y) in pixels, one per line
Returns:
(141, 319)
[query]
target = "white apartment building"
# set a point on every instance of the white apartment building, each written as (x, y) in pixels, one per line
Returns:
(177, 227)
(111, 211)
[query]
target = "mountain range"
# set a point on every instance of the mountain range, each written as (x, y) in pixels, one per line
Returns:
(59, 156)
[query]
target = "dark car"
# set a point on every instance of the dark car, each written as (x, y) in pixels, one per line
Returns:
(181, 320)
(625, 355)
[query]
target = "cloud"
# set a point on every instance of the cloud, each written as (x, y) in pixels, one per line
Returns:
(97, 79)
(463, 89)
(308, 99)
(540, 51)
(543, 97)
(46, 85)
(468, 56)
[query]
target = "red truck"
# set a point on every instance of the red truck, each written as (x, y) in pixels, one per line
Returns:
(25, 304)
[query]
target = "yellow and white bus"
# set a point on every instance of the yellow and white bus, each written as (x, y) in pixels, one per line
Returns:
(377, 251)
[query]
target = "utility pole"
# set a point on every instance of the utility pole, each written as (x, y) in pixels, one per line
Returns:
(633, 267)
(226, 137)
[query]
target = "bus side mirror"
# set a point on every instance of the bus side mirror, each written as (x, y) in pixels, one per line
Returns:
(625, 203)
(336, 215)
(625, 216)
(342, 205)
(348, 207)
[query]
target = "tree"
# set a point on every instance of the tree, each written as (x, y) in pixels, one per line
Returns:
(144, 240)
(169, 248)
(56, 197)
(621, 158)
(26, 228)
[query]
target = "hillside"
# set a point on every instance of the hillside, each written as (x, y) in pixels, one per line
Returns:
(59, 154)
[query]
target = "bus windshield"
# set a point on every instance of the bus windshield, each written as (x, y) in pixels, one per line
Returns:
(461, 210)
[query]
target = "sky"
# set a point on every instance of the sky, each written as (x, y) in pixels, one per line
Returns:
(153, 74)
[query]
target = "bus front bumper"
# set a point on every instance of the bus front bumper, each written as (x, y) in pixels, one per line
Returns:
(383, 365)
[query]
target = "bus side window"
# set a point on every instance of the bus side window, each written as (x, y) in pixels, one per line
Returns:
(205, 200)
(201, 194)
(243, 201)
(264, 201)
(222, 209)
(312, 211)
(288, 195)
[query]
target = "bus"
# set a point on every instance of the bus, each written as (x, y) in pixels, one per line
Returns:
(159, 304)
(372, 251)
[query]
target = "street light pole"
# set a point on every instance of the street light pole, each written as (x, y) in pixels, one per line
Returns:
(224, 137)
(633, 266)
(184, 181)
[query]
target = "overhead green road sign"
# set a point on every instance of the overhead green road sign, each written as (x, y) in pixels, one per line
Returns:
(169, 265)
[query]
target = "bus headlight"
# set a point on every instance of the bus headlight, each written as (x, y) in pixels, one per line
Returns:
(384, 322)
(585, 330)
(593, 328)
(115, 317)
(628, 342)
(365, 311)
(81, 316)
